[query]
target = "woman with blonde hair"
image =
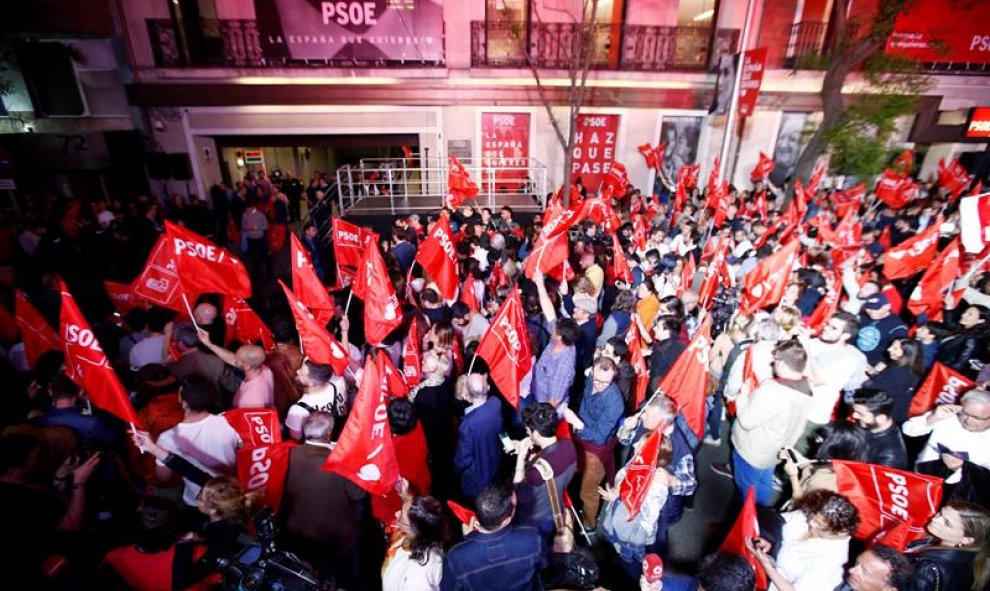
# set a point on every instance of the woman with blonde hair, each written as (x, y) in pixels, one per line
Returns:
(957, 555)
(437, 407)
(229, 510)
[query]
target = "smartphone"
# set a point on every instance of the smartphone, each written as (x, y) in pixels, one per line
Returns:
(507, 444)
(791, 455)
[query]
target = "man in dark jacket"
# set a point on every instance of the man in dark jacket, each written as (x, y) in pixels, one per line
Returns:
(874, 410)
(496, 556)
(667, 347)
(322, 510)
(479, 451)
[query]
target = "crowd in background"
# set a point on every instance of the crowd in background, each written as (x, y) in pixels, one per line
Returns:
(89, 502)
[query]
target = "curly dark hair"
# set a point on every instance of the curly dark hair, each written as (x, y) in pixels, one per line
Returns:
(840, 514)
(432, 534)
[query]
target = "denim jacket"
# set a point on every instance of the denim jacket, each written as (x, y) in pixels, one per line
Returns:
(507, 560)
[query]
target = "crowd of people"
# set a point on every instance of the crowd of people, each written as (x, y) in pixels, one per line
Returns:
(496, 493)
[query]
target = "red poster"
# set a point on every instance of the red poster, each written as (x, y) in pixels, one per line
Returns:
(505, 147)
(594, 148)
(754, 64)
(932, 31)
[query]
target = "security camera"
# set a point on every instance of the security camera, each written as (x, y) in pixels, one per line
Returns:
(158, 124)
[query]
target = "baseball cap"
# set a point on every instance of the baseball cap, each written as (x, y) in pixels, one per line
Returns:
(875, 302)
(652, 568)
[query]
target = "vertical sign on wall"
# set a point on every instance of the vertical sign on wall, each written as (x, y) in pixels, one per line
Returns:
(505, 147)
(754, 62)
(595, 143)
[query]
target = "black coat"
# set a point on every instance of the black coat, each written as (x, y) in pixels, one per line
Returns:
(941, 569)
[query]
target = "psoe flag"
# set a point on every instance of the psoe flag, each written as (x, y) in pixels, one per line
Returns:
(974, 219)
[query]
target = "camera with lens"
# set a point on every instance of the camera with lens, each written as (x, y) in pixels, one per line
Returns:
(261, 566)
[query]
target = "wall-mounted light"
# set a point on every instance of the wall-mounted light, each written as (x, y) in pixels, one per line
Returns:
(240, 158)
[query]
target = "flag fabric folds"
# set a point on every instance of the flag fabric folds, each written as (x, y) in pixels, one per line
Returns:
(505, 347)
(86, 363)
(364, 453)
(205, 267)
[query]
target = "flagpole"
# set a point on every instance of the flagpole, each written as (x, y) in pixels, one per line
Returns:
(349, 296)
(734, 103)
(471, 366)
(185, 301)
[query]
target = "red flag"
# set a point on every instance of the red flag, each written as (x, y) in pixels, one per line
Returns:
(747, 527)
(826, 307)
(122, 296)
(203, 266)
(505, 347)
(885, 240)
(410, 355)
(687, 275)
(905, 162)
(459, 184)
(639, 233)
(255, 426)
(350, 242)
(616, 179)
(394, 382)
(547, 255)
(558, 220)
(317, 344)
(600, 211)
(244, 325)
(848, 200)
(653, 156)
(468, 296)
(407, 154)
(438, 256)
(462, 513)
(158, 283)
(764, 285)
(619, 262)
(262, 470)
(761, 205)
(896, 536)
(718, 273)
(307, 285)
(687, 379)
(912, 255)
(87, 365)
(364, 452)
(885, 495)
(37, 334)
(763, 168)
(953, 177)
(381, 306)
(974, 222)
(894, 190)
(942, 386)
(928, 296)
(690, 174)
(638, 361)
(714, 184)
(639, 475)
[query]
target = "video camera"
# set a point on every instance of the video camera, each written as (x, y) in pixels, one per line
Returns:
(261, 566)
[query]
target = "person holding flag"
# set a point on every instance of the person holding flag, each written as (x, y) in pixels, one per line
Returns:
(660, 414)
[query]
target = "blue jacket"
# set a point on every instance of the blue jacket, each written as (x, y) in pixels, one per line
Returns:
(404, 253)
(507, 560)
(479, 451)
(601, 414)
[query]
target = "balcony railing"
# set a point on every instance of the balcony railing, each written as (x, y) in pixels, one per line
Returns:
(231, 43)
(641, 47)
(807, 40)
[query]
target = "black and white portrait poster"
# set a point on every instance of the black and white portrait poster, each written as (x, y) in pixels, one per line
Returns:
(681, 133)
(795, 130)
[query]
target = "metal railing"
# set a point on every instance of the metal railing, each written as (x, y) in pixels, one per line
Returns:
(806, 39)
(424, 186)
(234, 43)
(641, 47)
